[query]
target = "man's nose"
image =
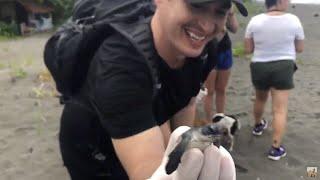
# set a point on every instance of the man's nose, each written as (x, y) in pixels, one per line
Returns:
(207, 25)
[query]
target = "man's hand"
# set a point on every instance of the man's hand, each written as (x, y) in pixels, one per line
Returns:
(212, 164)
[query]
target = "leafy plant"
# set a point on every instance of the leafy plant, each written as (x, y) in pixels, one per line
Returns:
(254, 7)
(238, 50)
(18, 73)
(62, 8)
(43, 91)
(8, 30)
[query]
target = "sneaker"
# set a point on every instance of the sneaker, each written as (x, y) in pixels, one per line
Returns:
(258, 128)
(277, 153)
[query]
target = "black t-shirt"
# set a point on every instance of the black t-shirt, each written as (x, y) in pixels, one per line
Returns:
(120, 87)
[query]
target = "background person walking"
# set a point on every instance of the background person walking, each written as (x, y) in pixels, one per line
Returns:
(274, 38)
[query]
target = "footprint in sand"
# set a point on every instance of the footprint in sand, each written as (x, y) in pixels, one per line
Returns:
(23, 130)
(6, 165)
(49, 151)
(3, 145)
(317, 115)
(293, 162)
(299, 123)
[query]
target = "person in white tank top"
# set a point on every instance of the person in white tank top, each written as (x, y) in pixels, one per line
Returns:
(274, 38)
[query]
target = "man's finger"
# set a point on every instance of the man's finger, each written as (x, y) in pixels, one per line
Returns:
(190, 166)
(211, 164)
(227, 166)
(174, 138)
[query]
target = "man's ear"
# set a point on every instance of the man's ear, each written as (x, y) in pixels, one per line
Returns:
(158, 2)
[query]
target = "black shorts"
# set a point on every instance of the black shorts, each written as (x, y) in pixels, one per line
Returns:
(86, 150)
(275, 74)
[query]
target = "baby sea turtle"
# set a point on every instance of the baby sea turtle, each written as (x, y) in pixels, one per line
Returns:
(221, 132)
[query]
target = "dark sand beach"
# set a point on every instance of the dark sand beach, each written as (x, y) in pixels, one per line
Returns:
(29, 113)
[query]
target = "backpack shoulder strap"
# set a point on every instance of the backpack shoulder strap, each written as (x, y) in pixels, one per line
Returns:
(139, 34)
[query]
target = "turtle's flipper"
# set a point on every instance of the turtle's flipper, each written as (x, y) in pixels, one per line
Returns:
(175, 156)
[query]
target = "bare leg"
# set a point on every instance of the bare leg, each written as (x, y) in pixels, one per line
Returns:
(280, 111)
(259, 104)
(222, 79)
(208, 99)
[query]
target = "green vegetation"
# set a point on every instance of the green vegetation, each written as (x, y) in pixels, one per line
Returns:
(238, 50)
(8, 31)
(4, 38)
(62, 9)
(2, 66)
(18, 73)
(299, 61)
(43, 90)
(254, 7)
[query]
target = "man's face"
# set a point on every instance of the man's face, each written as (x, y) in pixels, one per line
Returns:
(188, 28)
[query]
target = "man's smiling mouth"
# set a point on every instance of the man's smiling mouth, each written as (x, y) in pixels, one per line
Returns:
(194, 35)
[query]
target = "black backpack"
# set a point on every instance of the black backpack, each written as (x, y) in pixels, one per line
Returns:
(69, 51)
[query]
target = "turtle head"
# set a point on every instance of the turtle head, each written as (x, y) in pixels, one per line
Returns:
(219, 134)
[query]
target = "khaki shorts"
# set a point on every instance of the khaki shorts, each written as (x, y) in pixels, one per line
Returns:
(275, 74)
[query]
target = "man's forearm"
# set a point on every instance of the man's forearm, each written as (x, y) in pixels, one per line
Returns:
(185, 117)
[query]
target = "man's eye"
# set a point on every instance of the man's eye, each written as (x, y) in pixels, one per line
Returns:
(197, 6)
(200, 7)
(221, 13)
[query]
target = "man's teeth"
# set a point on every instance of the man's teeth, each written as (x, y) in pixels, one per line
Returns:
(195, 37)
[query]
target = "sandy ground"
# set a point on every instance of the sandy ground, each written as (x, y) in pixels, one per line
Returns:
(29, 115)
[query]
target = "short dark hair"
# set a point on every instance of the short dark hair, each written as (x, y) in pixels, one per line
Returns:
(225, 4)
(270, 3)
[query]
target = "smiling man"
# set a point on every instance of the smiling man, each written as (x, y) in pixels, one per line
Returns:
(117, 126)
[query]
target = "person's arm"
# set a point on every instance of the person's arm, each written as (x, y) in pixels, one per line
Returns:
(166, 132)
(248, 45)
(299, 37)
(121, 92)
(185, 117)
(232, 22)
(248, 39)
(141, 154)
(126, 114)
(299, 45)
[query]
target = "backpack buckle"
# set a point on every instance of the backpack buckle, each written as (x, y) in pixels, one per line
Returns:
(85, 20)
